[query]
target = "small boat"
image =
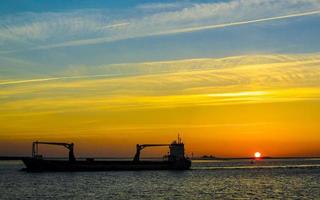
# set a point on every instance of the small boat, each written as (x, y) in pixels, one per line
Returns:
(176, 160)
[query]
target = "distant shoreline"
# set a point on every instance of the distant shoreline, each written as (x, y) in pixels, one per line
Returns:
(196, 158)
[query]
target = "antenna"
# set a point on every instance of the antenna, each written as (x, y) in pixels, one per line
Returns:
(179, 139)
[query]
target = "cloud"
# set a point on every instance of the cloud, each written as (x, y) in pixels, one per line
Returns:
(160, 6)
(12, 82)
(194, 82)
(200, 28)
(115, 25)
(285, 66)
(175, 31)
(254, 94)
(239, 94)
(27, 30)
(86, 27)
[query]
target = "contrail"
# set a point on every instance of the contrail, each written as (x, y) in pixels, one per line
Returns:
(28, 81)
(175, 31)
(115, 25)
(58, 78)
(200, 28)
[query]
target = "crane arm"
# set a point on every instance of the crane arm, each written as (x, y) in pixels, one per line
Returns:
(67, 145)
(142, 146)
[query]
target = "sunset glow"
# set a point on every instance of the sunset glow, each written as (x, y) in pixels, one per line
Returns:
(231, 77)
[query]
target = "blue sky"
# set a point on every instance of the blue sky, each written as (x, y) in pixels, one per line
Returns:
(49, 36)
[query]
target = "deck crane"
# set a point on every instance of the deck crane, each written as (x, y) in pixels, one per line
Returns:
(69, 146)
(139, 147)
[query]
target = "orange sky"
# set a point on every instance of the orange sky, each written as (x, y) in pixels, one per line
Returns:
(226, 107)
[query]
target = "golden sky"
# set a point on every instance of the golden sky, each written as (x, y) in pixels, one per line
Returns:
(231, 106)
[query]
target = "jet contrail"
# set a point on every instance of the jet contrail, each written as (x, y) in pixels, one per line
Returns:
(58, 78)
(28, 81)
(200, 28)
(115, 25)
(175, 31)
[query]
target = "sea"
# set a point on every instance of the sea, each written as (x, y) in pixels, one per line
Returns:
(207, 179)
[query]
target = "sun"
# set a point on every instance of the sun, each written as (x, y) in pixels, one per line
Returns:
(257, 154)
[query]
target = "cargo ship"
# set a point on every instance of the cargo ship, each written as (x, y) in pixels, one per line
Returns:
(175, 160)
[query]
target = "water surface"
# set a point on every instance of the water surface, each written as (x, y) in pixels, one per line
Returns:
(236, 179)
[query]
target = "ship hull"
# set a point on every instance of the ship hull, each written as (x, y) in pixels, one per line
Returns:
(33, 164)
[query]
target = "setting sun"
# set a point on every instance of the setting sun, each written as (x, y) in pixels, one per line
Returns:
(257, 154)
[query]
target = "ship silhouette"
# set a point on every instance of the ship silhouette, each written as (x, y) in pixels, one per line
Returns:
(175, 160)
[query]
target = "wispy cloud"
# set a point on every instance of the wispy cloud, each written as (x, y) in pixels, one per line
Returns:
(175, 31)
(161, 6)
(279, 69)
(243, 79)
(115, 25)
(87, 27)
(238, 95)
(200, 28)
(55, 78)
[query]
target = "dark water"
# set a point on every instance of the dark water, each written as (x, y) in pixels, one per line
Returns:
(279, 179)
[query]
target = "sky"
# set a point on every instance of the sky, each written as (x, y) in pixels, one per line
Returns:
(231, 77)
